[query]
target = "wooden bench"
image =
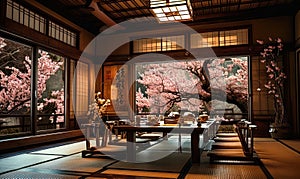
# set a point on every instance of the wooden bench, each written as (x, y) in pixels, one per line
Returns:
(231, 151)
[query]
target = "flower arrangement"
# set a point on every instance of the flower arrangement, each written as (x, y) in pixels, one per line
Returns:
(272, 57)
(98, 107)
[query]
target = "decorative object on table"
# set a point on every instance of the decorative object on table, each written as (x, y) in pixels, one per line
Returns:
(161, 117)
(189, 116)
(172, 118)
(152, 120)
(203, 117)
(174, 114)
(98, 108)
(137, 120)
(96, 129)
(199, 123)
(272, 58)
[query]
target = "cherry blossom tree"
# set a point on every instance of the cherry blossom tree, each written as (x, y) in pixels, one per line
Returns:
(142, 102)
(15, 94)
(58, 100)
(189, 84)
(272, 58)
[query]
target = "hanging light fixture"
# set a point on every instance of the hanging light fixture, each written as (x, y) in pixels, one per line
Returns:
(172, 10)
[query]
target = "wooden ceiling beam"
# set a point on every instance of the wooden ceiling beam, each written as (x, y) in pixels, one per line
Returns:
(229, 4)
(249, 14)
(131, 9)
(101, 15)
(109, 1)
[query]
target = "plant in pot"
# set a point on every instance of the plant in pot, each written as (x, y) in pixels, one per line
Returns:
(272, 58)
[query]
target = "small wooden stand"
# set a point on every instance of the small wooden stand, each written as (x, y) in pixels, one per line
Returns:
(92, 132)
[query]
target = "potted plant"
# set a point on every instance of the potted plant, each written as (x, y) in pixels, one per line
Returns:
(272, 58)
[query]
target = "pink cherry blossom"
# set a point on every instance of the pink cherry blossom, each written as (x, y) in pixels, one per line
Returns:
(185, 85)
(271, 54)
(16, 84)
(260, 41)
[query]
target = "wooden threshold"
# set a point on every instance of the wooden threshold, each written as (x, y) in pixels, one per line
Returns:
(19, 142)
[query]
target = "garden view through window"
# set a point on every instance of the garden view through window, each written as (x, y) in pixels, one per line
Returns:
(16, 66)
(180, 86)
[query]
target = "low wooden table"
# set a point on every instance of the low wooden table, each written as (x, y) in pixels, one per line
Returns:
(208, 130)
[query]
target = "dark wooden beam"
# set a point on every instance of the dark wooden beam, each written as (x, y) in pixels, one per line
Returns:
(239, 3)
(40, 39)
(243, 15)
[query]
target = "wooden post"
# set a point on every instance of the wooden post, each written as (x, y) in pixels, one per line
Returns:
(195, 147)
(131, 147)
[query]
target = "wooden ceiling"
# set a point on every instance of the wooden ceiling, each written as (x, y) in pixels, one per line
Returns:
(204, 11)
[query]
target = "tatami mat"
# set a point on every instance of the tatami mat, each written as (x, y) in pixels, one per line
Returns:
(279, 160)
(261, 139)
(34, 175)
(75, 163)
(66, 162)
(170, 166)
(171, 163)
(114, 172)
(172, 145)
(294, 144)
(207, 170)
(64, 149)
(222, 171)
(23, 160)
